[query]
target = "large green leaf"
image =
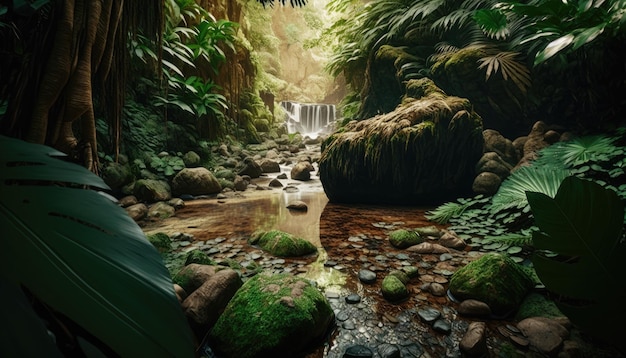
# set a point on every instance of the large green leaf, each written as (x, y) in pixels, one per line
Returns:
(82, 255)
(583, 224)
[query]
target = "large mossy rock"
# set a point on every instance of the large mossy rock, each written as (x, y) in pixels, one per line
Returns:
(195, 181)
(282, 244)
(423, 152)
(272, 316)
(494, 279)
(149, 190)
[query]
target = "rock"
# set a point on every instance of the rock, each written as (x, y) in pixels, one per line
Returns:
(251, 168)
(195, 181)
(150, 191)
(503, 147)
(474, 341)
(386, 350)
(494, 279)
(491, 162)
(544, 334)
(451, 240)
(358, 351)
(116, 175)
(191, 159)
(535, 305)
(486, 183)
(282, 244)
(411, 271)
(240, 183)
(436, 289)
(269, 166)
(293, 313)
(354, 158)
(442, 326)
(137, 211)
(353, 298)
(428, 248)
(161, 210)
(401, 275)
(367, 276)
(198, 256)
(393, 289)
(176, 203)
(428, 315)
(203, 306)
(404, 238)
(474, 308)
(297, 205)
(301, 171)
(282, 176)
(428, 231)
(194, 275)
(161, 241)
(127, 201)
(180, 293)
(275, 183)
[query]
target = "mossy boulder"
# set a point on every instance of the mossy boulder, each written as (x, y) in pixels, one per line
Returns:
(282, 244)
(116, 175)
(423, 152)
(161, 241)
(198, 256)
(149, 190)
(195, 181)
(191, 159)
(272, 316)
(394, 289)
(402, 238)
(494, 279)
(537, 305)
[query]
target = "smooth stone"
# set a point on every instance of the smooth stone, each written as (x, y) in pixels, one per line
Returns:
(544, 334)
(474, 342)
(428, 314)
(353, 298)
(330, 263)
(442, 326)
(358, 351)
(474, 308)
(437, 289)
(367, 276)
(349, 325)
(389, 351)
(342, 316)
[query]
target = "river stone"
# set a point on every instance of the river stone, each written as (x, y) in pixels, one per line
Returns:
(423, 151)
(203, 306)
(474, 341)
(544, 334)
(251, 168)
(297, 205)
(275, 183)
(282, 244)
(353, 298)
(195, 181)
(191, 159)
(367, 276)
(302, 171)
(161, 210)
(149, 190)
(269, 166)
(442, 326)
(428, 314)
(402, 238)
(494, 279)
(474, 308)
(358, 351)
(137, 211)
(386, 350)
(293, 313)
(393, 289)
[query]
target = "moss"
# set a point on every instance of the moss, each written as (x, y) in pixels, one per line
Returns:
(271, 315)
(402, 238)
(428, 231)
(283, 244)
(225, 183)
(401, 275)
(537, 305)
(421, 88)
(393, 289)
(198, 257)
(161, 241)
(494, 279)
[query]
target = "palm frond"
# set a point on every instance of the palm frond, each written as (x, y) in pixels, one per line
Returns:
(509, 67)
(578, 151)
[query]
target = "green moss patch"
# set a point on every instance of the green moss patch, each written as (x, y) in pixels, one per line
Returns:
(393, 289)
(278, 315)
(402, 238)
(282, 244)
(161, 241)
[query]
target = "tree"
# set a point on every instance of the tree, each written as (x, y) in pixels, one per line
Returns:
(62, 57)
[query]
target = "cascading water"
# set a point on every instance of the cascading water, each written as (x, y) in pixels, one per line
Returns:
(309, 119)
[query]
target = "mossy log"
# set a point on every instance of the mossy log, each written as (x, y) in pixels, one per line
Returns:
(424, 152)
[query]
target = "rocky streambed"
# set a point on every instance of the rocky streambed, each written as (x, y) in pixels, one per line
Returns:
(355, 256)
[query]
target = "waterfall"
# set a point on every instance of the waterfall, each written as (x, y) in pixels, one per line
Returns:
(309, 119)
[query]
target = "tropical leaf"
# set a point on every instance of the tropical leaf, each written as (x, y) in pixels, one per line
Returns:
(579, 150)
(509, 67)
(83, 256)
(583, 225)
(512, 192)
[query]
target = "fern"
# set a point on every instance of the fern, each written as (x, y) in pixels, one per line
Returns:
(580, 151)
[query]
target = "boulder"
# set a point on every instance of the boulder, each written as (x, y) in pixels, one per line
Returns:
(494, 279)
(486, 183)
(161, 210)
(241, 182)
(402, 238)
(149, 190)
(128, 200)
(493, 163)
(269, 166)
(282, 244)
(423, 152)
(503, 147)
(137, 211)
(195, 181)
(544, 334)
(191, 159)
(293, 314)
(204, 305)
(161, 241)
(302, 171)
(116, 175)
(251, 168)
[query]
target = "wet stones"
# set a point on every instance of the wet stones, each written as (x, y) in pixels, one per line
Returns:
(474, 308)
(474, 342)
(358, 351)
(353, 298)
(428, 315)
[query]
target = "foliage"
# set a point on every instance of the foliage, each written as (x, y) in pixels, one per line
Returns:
(78, 258)
(583, 224)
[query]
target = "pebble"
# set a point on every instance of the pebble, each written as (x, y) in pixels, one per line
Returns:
(442, 326)
(358, 351)
(367, 276)
(428, 314)
(389, 351)
(353, 298)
